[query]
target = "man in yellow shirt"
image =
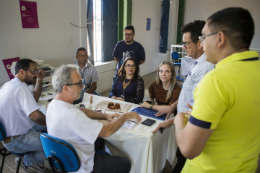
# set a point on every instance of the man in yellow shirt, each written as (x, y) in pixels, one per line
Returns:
(222, 132)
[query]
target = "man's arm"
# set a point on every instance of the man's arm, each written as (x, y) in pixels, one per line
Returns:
(93, 87)
(108, 129)
(38, 86)
(38, 117)
(191, 139)
(93, 114)
(141, 62)
(169, 110)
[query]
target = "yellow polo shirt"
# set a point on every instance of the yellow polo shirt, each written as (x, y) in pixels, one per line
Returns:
(228, 100)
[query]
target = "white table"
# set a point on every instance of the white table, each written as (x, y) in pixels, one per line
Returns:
(146, 151)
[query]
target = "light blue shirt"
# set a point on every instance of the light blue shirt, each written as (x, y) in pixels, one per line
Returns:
(88, 74)
(196, 73)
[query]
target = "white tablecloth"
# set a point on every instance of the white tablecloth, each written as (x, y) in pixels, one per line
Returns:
(146, 151)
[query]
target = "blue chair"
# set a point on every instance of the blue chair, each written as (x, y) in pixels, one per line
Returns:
(60, 154)
(20, 155)
(175, 57)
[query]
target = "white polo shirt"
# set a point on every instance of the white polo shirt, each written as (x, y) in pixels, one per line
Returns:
(196, 73)
(67, 122)
(16, 104)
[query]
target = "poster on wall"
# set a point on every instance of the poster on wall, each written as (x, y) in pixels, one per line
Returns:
(8, 63)
(29, 15)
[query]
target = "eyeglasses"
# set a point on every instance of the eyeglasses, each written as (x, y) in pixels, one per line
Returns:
(202, 38)
(33, 71)
(186, 43)
(79, 83)
(128, 65)
(130, 35)
(82, 56)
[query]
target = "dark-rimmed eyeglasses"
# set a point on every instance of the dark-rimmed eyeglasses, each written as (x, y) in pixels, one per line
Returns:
(130, 35)
(128, 65)
(79, 83)
(202, 38)
(33, 71)
(185, 44)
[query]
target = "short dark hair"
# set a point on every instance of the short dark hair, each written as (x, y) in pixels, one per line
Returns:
(23, 64)
(136, 74)
(238, 22)
(194, 28)
(81, 49)
(130, 27)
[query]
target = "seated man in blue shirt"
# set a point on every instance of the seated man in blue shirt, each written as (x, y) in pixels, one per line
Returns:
(128, 48)
(87, 71)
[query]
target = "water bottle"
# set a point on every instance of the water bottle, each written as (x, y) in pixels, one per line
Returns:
(90, 101)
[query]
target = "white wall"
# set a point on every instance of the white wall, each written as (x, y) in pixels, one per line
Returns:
(56, 40)
(202, 9)
(141, 10)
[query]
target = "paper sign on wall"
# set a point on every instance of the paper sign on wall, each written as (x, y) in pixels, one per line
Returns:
(8, 63)
(29, 15)
(148, 24)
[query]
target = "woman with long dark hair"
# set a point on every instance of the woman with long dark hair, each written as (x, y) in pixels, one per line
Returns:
(129, 86)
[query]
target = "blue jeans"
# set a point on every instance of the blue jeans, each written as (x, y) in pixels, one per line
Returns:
(95, 93)
(29, 141)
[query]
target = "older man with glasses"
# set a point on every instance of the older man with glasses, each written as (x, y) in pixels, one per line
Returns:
(21, 116)
(127, 48)
(76, 125)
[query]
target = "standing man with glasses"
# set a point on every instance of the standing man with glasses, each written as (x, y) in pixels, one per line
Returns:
(194, 49)
(222, 132)
(20, 115)
(127, 48)
(87, 71)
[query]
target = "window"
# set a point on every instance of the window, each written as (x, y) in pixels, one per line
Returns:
(164, 25)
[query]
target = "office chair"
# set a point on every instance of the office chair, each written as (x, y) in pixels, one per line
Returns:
(20, 155)
(176, 56)
(61, 155)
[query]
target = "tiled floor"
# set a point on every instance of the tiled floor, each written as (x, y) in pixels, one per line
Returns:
(10, 165)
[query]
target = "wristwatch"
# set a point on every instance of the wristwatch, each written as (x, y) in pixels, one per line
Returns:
(151, 106)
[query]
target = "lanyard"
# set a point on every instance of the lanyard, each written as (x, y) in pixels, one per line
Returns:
(124, 87)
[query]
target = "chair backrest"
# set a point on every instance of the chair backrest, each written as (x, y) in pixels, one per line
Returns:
(62, 150)
(175, 55)
(2, 132)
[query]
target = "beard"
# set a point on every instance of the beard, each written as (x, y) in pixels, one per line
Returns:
(29, 81)
(78, 97)
(129, 40)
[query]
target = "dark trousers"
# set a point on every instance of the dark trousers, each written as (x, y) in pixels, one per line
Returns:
(104, 163)
(180, 162)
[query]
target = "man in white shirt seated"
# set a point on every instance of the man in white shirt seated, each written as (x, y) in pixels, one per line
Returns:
(75, 125)
(20, 115)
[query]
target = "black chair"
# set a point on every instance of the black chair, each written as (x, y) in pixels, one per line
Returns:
(3, 150)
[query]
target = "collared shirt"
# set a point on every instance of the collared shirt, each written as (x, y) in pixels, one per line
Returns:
(88, 74)
(199, 68)
(228, 100)
(17, 103)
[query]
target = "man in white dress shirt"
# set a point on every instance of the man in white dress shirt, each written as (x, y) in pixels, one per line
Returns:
(75, 125)
(199, 69)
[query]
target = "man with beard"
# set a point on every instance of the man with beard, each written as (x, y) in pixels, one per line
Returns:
(75, 125)
(127, 48)
(20, 115)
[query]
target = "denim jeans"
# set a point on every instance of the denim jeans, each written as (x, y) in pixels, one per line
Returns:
(95, 93)
(29, 141)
